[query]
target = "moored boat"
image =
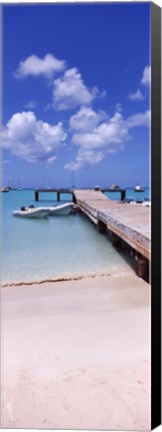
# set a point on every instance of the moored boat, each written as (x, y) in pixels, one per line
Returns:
(31, 212)
(39, 212)
(61, 210)
(5, 189)
(114, 186)
(138, 188)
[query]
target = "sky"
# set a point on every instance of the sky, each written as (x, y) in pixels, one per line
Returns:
(76, 95)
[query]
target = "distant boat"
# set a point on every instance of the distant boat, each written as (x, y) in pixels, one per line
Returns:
(138, 188)
(5, 189)
(31, 212)
(114, 186)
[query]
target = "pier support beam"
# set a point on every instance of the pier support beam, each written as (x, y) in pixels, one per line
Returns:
(143, 267)
(74, 199)
(123, 192)
(36, 196)
(117, 241)
(101, 227)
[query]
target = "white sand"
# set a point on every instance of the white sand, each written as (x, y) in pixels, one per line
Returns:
(76, 354)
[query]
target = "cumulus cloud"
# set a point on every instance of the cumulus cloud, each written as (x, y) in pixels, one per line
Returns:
(146, 77)
(108, 137)
(145, 81)
(139, 119)
(70, 91)
(85, 159)
(31, 139)
(138, 95)
(86, 119)
(30, 105)
(35, 66)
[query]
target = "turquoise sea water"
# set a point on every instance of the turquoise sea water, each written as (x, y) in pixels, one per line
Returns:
(37, 249)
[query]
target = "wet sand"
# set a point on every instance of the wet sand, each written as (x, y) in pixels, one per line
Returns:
(76, 354)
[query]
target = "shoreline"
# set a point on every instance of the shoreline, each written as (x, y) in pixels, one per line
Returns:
(74, 276)
(79, 353)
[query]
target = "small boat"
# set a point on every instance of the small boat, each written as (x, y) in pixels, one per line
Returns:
(31, 212)
(61, 210)
(5, 189)
(138, 188)
(114, 186)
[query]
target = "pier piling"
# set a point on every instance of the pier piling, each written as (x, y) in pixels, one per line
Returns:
(101, 227)
(143, 267)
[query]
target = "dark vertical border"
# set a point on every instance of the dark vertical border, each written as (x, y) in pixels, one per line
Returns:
(156, 215)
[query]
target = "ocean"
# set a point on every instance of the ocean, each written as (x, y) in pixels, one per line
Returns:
(39, 249)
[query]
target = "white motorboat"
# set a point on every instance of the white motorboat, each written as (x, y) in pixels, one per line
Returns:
(114, 186)
(61, 210)
(31, 212)
(139, 188)
(4, 189)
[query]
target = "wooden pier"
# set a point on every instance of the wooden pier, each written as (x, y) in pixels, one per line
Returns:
(125, 222)
(58, 192)
(71, 191)
(129, 223)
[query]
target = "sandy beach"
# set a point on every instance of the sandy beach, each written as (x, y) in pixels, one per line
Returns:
(76, 354)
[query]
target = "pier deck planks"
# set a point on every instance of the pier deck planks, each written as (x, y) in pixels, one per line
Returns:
(129, 222)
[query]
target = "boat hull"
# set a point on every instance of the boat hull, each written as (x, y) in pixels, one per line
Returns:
(31, 213)
(63, 210)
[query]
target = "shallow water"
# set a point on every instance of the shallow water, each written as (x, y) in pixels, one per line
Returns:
(37, 249)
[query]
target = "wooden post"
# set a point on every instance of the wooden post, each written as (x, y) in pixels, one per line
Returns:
(117, 241)
(101, 227)
(123, 191)
(58, 196)
(74, 199)
(143, 267)
(36, 196)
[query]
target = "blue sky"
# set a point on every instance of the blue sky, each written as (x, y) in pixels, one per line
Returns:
(76, 86)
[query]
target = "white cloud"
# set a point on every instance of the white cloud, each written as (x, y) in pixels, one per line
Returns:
(85, 159)
(86, 119)
(146, 78)
(31, 139)
(51, 159)
(35, 66)
(139, 119)
(145, 81)
(30, 105)
(70, 91)
(138, 95)
(108, 137)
